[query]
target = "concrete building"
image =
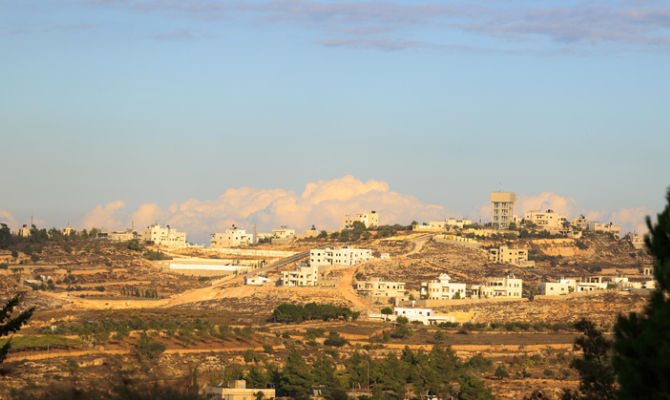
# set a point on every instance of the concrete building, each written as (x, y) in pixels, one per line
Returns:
(508, 286)
(303, 275)
(237, 390)
(502, 209)
(256, 280)
(457, 223)
(562, 286)
(370, 219)
(232, 237)
(343, 256)
(549, 221)
(123, 236)
(424, 315)
(505, 255)
(67, 231)
(637, 241)
(442, 288)
(167, 236)
(283, 233)
(24, 231)
(378, 287)
(581, 223)
(605, 228)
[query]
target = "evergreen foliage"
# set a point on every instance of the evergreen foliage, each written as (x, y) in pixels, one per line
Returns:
(10, 325)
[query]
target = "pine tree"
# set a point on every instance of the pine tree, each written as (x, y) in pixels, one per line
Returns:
(642, 341)
(9, 325)
(295, 380)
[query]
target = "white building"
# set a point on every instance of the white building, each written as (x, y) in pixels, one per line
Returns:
(457, 223)
(232, 237)
(502, 209)
(370, 219)
(563, 286)
(283, 233)
(605, 228)
(303, 275)
(508, 286)
(343, 256)
(256, 280)
(442, 288)
(548, 220)
(167, 236)
(123, 236)
(424, 315)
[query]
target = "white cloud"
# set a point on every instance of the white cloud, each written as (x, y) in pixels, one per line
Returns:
(546, 201)
(322, 203)
(7, 218)
(108, 216)
(631, 219)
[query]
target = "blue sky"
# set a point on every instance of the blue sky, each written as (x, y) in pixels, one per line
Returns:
(151, 101)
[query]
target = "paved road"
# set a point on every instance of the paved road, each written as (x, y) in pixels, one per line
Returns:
(282, 262)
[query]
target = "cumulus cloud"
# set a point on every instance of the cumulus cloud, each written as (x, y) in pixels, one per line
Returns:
(631, 219)
(7, 218)
(546, 201)
(108, 216)
(322, 203)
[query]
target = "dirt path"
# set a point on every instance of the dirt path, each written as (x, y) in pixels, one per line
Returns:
(418, 242)
(346, 289)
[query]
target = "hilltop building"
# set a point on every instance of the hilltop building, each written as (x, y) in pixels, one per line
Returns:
(370, 219)
(442, 288)
(232, 237)
(549, 221)
(24, 231)
(505, 255)
(123, 236)
(343, 256)
(508, 286)
(502, 209)
(605, 228)
(238, 390)
(637, 241)
(303, 275)
(167, 236)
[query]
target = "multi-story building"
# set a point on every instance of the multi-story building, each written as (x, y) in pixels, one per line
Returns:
(442, 288)
(378, 287)
(637, 241)
(167, 236)
(605, 228)
(505, 255)
(343, 256)
(67, 231)
(508, 286)
(549, 221)
(581, 223)
(502, 209)
(232, 237)
(283, 233)
(370, 219)
(303, 275)
(238, 390)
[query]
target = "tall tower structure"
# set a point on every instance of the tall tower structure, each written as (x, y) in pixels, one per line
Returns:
(502, 209)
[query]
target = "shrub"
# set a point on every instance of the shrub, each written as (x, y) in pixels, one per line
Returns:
(334, 339)
(501, 372)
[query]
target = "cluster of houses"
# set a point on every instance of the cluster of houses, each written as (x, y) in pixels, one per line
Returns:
(595, 283)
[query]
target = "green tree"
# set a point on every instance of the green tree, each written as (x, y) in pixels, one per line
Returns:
(642, 341)
(473, 389)
(149, 348)
(10, 325)
(295, 379)
(595, 370)
(501, 372)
